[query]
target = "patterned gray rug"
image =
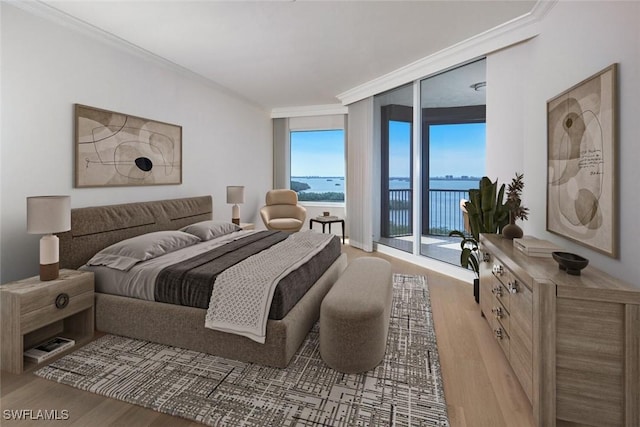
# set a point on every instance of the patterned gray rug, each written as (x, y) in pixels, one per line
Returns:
(404, 390)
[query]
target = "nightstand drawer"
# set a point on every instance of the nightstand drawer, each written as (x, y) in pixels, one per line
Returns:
(50, 313)
(45, 295)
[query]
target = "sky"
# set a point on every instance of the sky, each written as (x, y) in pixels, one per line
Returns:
(317, 153)
(454, 150)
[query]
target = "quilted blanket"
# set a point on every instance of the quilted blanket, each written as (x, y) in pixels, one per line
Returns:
(242, 294)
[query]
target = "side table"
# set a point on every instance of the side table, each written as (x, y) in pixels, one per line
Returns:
(34, 311)
(327, 220)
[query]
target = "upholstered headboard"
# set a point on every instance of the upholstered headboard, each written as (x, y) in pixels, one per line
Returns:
(95, 228)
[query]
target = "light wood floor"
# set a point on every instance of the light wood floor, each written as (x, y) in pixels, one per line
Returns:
(480, 387)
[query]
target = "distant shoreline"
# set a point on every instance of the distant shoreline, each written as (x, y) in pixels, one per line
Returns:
(398, 178)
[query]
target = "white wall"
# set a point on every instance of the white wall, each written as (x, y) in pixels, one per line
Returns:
(577, 39)
(47, 67)
(507, 71)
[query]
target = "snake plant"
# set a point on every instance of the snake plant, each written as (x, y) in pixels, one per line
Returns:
(487, 214)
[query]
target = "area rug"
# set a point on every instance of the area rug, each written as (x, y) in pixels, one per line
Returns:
(404, 390)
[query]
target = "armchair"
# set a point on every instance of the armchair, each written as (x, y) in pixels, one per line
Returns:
(282, 211)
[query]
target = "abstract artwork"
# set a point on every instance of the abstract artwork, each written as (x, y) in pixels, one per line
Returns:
(114, 149)
(581, 169)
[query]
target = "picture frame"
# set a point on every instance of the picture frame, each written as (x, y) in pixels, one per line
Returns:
(582, 163)
(116, 149)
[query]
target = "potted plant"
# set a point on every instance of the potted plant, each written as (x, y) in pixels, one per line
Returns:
(487, 214)
(469, 255)
(516, 210)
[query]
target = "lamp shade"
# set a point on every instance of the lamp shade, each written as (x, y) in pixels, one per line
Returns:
(48, 214)
(235, 194)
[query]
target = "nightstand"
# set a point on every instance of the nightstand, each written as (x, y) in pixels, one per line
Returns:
(247, 226)
(33, 311)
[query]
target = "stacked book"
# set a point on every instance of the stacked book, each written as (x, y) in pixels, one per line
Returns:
(532, 246)
(326, 217)
(48, 349)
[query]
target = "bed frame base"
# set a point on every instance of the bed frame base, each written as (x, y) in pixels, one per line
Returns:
(183, 327)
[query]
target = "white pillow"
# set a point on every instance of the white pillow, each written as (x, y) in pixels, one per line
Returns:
(207, 230)
(126, 253)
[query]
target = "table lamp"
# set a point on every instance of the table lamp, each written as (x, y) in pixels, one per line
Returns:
(235, 196)
(48, 215)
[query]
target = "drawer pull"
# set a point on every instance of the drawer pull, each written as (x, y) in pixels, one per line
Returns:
(513, 287)
(498, 312)
(498, 333)
(498, 270)
(62, 300)
(497, 291)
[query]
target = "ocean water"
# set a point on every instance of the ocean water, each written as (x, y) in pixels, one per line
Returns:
(444, 207)
(332, 184)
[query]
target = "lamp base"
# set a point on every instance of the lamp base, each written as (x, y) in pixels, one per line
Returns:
(49, 257)
(49, 271)
(235, 214)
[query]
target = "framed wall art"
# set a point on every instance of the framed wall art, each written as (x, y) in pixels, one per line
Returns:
(581, 163)
(115, 149)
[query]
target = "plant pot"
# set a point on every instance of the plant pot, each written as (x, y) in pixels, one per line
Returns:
(511, 230)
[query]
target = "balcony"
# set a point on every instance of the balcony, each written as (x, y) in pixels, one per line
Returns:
(443, 216)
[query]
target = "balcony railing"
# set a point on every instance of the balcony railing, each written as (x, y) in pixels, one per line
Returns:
(444, 213)
(400, 218)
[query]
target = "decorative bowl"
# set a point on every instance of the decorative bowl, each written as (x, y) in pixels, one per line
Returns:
(572, 263)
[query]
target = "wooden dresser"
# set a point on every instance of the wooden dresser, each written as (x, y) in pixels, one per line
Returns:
(573, 342)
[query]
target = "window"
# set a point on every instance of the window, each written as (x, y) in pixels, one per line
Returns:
(317, 165)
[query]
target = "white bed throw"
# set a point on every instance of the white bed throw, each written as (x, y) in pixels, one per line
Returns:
(242, 295)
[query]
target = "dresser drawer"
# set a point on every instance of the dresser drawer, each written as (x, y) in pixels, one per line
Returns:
(487, 283)
(521, 313)
(500, 314)
(500, 293)
(503, 338)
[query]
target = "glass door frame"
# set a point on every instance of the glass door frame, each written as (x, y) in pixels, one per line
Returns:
(396, 113)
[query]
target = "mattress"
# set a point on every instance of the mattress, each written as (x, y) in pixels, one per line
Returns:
(187, 277)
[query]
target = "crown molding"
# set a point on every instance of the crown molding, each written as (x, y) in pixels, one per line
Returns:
(542, 8)
(309, 110)
(517, 30)
(50, 13)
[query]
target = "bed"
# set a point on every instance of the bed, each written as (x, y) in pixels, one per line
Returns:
(95, 228)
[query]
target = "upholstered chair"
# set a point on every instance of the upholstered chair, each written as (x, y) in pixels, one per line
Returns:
(282, 211)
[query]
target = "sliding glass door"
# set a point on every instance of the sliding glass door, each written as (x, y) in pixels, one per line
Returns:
(450, 151)
(453, 115)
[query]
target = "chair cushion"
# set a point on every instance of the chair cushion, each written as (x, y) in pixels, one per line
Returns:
(282, 197)
(285, 224)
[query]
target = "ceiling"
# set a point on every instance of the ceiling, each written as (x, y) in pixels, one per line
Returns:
(290, 54)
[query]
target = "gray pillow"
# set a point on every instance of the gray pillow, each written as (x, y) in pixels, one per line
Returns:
(207, 230)
(126, 253)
